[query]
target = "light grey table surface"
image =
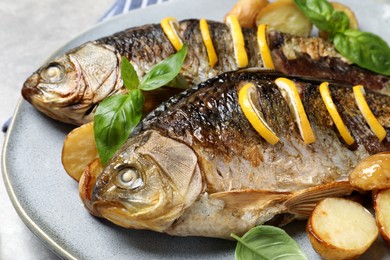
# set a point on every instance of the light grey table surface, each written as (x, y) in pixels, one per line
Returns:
(30, 31)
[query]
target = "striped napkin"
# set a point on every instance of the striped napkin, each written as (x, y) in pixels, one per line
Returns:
(123, 6)
(119, 7)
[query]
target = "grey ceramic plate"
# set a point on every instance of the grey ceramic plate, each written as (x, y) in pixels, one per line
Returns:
(47, 199)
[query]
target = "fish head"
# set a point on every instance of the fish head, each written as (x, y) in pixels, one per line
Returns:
(68, 87)
(148, 184)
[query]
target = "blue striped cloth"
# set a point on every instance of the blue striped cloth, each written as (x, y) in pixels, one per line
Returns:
(123, 6)
(120, 7)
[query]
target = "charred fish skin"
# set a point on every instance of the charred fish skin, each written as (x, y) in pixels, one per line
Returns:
(143, 46)
(91, 72)
(199, 155)
(317, 58)
(211, 121)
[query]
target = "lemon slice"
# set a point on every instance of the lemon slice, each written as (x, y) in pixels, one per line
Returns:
(290, 93)
(330, 106)
(170, 26)
(204, 29)
(371, 120)
(263, 46)
(247, 100)
(238, 41)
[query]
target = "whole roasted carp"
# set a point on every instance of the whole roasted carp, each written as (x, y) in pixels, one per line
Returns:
(196, 166)
(69, 87)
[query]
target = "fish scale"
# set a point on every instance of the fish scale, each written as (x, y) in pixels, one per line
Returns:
(208, 116)
(147, 45)
(205, 171)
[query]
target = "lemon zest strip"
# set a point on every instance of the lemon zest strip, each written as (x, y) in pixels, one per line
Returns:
(263, 46)
(238, 41)
(253, 114)
(290, 93)
(330, 106)
(371, 120)
(169, 25)
(204, 30)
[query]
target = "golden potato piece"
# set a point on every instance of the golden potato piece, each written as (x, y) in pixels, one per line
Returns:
(372, 173)
(353, 23)
(381, 200)
(341, 229)
(246, 11)
(79, 150)
(284, 16)
(87, 182)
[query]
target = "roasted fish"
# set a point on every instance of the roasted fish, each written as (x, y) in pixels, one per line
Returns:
(196, 166)
(69, 87)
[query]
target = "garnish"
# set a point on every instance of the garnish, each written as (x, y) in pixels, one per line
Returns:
(208, 43)
(371, 120)
(238, 41)
(362, 48)
(117, 116)
(267, 242)
(331, 107)
(290, 93)
(263, 46)
(247, 97)
(170, 26)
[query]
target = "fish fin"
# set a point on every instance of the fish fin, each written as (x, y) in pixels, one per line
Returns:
(177, 161)
(99, 65)
(249, 199)
(302, 203)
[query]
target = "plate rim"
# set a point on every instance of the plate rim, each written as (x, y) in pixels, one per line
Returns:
(48, 241)
(27, 220)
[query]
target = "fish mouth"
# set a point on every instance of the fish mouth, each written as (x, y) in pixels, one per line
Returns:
(30, 89)
(113, 211)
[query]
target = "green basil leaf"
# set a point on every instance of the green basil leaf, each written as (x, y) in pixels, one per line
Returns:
(165, 71)
(318, 11)
(114, 120)
(364, 49)
(129, 75)
(267, 242)
(339, 22)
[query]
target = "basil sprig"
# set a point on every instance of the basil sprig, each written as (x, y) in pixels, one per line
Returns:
(267, 242)
(117, 116)
(365, 49)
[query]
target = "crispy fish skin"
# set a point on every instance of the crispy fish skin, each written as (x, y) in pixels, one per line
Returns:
(202, 170)
(317, 58)
(70, 87)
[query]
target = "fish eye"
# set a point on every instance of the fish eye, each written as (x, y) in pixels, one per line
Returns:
(54, 72)
(129, 178)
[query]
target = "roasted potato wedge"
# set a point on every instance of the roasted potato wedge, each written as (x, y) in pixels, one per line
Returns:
(353, 23)
(372, 173)
(87, 181)
(79, 150)
(246, 11)
(381, 199)
(341, 229)
(284, 16)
